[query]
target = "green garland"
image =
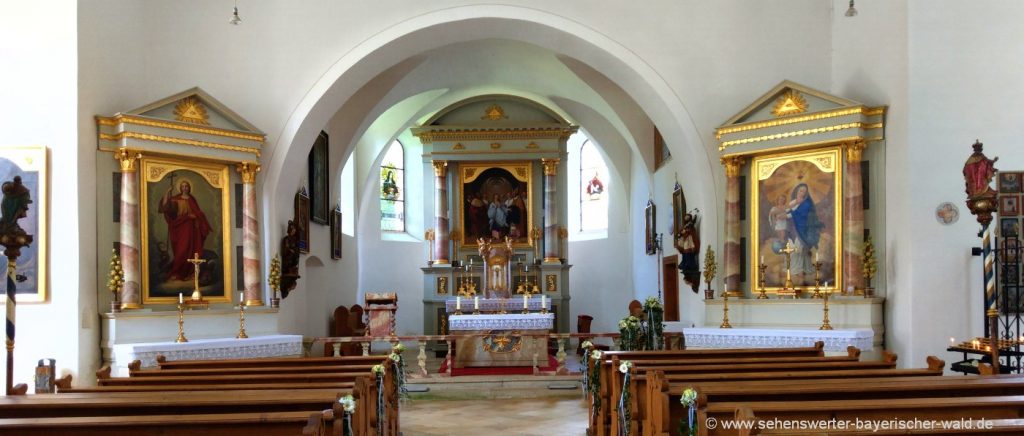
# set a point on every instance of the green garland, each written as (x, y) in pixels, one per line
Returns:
(399, 365)
(624, 409)
(655, 321)
(595, 380)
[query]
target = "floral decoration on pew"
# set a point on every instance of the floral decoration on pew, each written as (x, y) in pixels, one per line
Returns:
(348, 404)
(378, 374)
(624, 409)
(586, 346)
(688, 426)
(399, 365)
(655, 322)
(629, 333)
(595, 380)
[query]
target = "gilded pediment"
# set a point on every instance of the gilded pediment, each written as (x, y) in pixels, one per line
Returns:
(195, 106)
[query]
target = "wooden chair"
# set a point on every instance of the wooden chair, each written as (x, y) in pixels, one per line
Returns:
(583, 323)
(356, 320)
(341, 322)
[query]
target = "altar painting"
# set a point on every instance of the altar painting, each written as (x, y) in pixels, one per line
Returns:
(185, 208)
(29, 163)
(494, 202)
(797, 201)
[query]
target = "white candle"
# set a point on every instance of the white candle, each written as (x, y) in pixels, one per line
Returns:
(458, 303)
(543, 301)
(815, 256)
(952, 340)
(181, 298)
(476, 303)
(241, 297)
(525, 300)
(762, 260)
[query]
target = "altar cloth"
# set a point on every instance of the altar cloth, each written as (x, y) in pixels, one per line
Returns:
(835, 340)
(211, 349)
(508, 321)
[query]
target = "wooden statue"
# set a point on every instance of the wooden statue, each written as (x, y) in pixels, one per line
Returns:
(978, 173)
(687, 242)
(16, 198)
(289, 259)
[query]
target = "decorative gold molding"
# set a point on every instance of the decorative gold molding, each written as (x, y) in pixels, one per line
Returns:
(182, 141)
(732, 165)
(427, 137)
(854, 150)
(804, 146)
(440, 167)
(793, 120)
(191, 110)
(494, 113)
(792, 102)
(248, 171)
(855, 125)
(458, 146)
(563, 233)
(127, 158)
(209, 130)
(495, 145)
(532, 145)
(550, 166)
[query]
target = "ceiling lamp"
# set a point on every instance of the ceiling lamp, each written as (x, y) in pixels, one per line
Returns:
(236, 20)
(851, 12)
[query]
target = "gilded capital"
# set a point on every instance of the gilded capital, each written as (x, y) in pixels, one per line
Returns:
(248, 171)
(854, 150)
(440, 167)
(127, 158)
(550, 166)
(732, 165)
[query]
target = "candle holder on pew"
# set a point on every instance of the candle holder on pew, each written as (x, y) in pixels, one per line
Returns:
(762, 295)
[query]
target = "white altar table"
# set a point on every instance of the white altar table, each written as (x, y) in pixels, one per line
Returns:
(499, 341)
(835, 340)
(224, 348)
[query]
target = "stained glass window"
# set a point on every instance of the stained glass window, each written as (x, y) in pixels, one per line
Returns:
(392, 189)
(593, 189)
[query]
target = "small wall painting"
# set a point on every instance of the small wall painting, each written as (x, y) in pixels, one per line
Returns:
(1009, 205)
(319, 183)
(336, 236)
(1009, 227)
(650, 232)
(947, 213)
(302, 220)
(1010, 182)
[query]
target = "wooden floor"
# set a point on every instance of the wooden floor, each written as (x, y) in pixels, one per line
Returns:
(530, 416)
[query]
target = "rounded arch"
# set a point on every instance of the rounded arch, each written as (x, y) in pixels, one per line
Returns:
(438, 28)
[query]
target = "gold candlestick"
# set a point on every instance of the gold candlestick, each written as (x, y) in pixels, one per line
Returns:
(181, 324)
(760, 283)
(725, 311)
(241, 321)
(196, 261)
(817, 279)
(825, 325)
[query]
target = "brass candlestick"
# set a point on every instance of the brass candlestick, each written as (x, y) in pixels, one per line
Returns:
(760, 282)
(817, 279)
(181, 324)
(241, 321)
(725, 311)
(825, 325)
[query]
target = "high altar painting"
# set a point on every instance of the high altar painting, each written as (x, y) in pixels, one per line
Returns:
(29, 163)
(185, 208)
(797, 202)
(495, 201)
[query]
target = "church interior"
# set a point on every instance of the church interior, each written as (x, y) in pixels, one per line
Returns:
(527, 217)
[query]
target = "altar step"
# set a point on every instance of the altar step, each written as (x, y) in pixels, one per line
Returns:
(472, 387)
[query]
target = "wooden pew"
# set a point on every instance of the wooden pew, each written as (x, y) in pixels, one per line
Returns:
(233, 424)
(252, 370)
(163, 363)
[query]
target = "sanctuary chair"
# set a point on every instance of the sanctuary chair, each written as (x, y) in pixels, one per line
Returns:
(583, 326)
(341, 322)
(636, 309)
(356, 321)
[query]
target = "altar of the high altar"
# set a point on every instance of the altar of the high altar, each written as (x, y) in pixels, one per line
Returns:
(501, 339)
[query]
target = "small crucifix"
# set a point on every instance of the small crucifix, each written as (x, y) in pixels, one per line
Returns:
(788, 251)
(196, 261)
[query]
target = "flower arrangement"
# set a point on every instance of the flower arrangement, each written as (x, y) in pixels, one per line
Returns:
(594, 380)
(629, 333)
(652, 303)
(625, 366)
(398, 348)
(348, 403)
(710, 266)
(655, 318)
(587, 345)
(116, 281)
(688, 425)
(625, 409)
(399, 365)
(377, 369)
(869, 266)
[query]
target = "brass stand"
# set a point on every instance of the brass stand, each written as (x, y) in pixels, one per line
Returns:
(817, 279)
(825, 324)
(760, 283)
(725, 311)
(181, 324)
(241, 322)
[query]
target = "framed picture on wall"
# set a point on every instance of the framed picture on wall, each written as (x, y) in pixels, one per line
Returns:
(678, 209)
(30, 163)
(1009, 205)
(302, 219)
(185, 214)
(1009, 183)
(503, 190)
(336, 233)
(319, 182)
(650, 235)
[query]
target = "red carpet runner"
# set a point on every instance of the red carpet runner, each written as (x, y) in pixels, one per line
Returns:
(498, 370)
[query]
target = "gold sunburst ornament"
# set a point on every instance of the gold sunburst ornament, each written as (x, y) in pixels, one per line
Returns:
(191, 110)
(494, 113)
(790, 103)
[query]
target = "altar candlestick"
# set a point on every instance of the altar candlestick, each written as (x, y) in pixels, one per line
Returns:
(476, 303)
(181, 298)
(241, 297)
(458, 303)
(543, 301)
(525, 300)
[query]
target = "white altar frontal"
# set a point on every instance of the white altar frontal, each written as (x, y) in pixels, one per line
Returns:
(497, 339)
(835, 340)
(207, 349)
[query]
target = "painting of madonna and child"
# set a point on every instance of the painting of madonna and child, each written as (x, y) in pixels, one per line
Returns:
(796, 206)
(184, 211)
(496, 202)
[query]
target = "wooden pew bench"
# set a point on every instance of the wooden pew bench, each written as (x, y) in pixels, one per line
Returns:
(233, 424)
(253, 370)
(163, 363)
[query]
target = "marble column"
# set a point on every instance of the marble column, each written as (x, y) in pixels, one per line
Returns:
(731, 251)
(551, 252)
(441, 229)
(131, 292)
(853, 217)
(251, 277)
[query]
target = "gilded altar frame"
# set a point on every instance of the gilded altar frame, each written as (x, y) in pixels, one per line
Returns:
(216, 200)
(469, 172)
(768, 169)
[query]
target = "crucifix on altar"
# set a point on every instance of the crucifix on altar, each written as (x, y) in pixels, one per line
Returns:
(196, 261)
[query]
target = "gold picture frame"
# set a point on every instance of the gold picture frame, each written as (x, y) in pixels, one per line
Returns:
(797, 198)
(31, 163)
(499, 176)
(164, 277)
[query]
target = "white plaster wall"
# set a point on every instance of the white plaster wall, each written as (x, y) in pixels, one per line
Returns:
(39, 85)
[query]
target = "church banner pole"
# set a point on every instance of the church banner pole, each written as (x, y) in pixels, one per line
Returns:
(14, 206)
(978, 173)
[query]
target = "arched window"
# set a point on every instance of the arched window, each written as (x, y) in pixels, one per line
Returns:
(593, 189)
(392, 189)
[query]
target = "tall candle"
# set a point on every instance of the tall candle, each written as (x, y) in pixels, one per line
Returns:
(241, 297)
(525, 300)
(815, 256)
(181, 298)
(762, 260)
(543, 301)
(476, 303)
(458, 303)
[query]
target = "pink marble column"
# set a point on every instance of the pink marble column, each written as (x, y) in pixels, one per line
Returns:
(131, 292)
(731, 252)
(551, 252)
(853, 218)
(251, 277)
(442, 235)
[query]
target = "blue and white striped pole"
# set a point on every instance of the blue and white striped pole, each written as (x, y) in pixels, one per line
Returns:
(991, 296)
(10, 306)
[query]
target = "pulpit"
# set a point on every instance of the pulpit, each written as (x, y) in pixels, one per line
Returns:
(380, 312)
